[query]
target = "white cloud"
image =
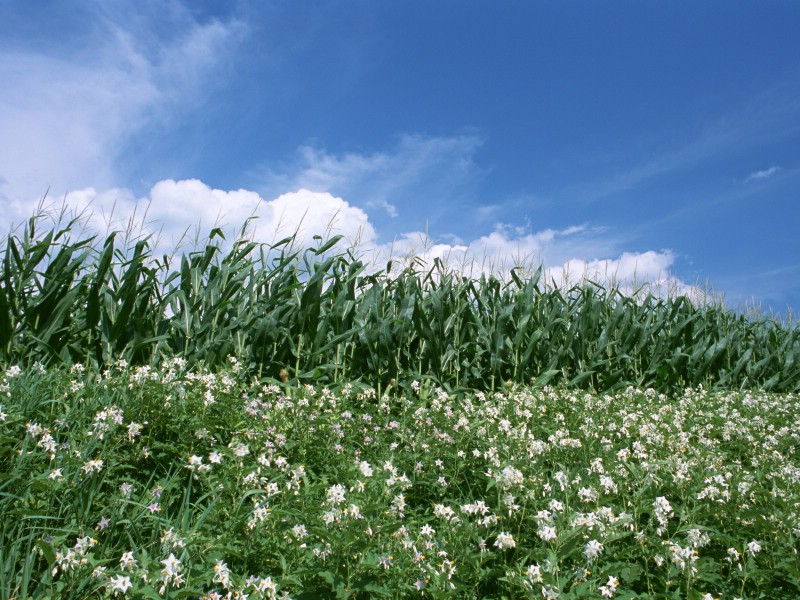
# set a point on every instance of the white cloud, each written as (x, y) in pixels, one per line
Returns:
(173, 209)
(763, 174)
(188, 203)
(66, 113)
(410, 176)
(317, 214)
(390, 209)
(629, 269)
(566, 258)
(179, 213)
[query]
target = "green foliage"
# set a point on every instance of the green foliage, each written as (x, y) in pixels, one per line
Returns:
(181, 483)
(323, 315)
(273, 422)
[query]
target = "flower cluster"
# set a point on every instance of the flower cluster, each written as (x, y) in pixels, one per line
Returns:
(194, 477)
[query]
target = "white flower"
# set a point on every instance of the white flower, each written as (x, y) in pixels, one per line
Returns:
(222, 574)
(120, 583)
(534, 573)
(593, 550)
(92, 466)
(335, 494)
(509, 477)
(549, 593)
(444, 512)
(610, 587)
(753, 548)
(547, 533)
(171, 566)
(266, 584)
(83, 544)
(240, 450)
(427, 530)
(608, 484)
(171, 540)
(261, 513)
(504, 541)
(134, 430)
(299, 531)
(399, 505)
(663, 511)
(99, 573)
(127, 562)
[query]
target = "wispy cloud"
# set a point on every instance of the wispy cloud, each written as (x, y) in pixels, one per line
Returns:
(412, 174)
(390, 209)
(751, 123)
(67, 112)
(763, 174)
(417, 163)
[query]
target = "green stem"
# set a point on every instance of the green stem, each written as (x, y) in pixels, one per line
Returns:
(297, 357)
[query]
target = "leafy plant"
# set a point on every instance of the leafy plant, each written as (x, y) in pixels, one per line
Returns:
(324, 316)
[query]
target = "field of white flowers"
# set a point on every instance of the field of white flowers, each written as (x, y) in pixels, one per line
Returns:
(154, 483)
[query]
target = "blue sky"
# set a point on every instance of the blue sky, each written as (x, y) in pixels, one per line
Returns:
(659, 140)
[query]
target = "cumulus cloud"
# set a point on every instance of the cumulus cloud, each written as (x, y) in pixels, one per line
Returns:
(763, 174)
(567, 257)
(182, 213)
(630, 269)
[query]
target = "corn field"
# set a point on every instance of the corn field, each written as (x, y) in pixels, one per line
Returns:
(326, 316)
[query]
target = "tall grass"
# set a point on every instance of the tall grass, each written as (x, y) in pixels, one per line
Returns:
(325, 315)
